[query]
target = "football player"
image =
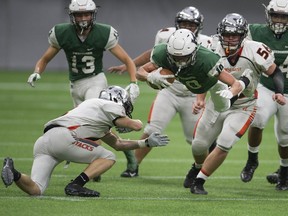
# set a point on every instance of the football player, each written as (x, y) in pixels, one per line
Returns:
(175, 98)
(71, 137)
(240, 57)
(84, 41)
(275, 35)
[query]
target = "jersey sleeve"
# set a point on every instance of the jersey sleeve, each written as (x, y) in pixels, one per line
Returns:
(114, 112)
(163, 35)
(262, 55)
(52, 38)
(113, 39)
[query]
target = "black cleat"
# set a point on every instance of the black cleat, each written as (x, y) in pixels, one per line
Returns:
(7, 173)
(73, 189)
(282, 183)
(130, 173)
(198, 187)
(282, 186)
(273, 178)
(248, 171)
(190, 177)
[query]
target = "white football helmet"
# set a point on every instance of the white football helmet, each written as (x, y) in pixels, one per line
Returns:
(82, 6)
(118, 95)
(277, 16)
(181, 48)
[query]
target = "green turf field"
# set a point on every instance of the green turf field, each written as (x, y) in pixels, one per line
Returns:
(157, 191)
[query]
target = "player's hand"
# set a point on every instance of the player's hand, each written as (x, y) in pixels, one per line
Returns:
(156, 139)
(32, 78)
(225, 93)
(197, 106)
(123, 129)
(117, 69)
(158, 79)
(133, 90)
(279, 98)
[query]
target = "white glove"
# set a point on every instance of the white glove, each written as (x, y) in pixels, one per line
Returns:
(32, 78)
(225, 93)
(133, 90)
(158, 79)
(156, 139)
(123, 129)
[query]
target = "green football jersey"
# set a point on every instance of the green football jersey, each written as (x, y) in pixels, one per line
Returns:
(198, 77)
(262, 33)
(85, 58)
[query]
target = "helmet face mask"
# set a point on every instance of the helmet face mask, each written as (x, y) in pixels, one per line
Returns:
(82, 13)
(277, 16)
(181, 48)
(232, 30)
(191, 15)
(119, 96)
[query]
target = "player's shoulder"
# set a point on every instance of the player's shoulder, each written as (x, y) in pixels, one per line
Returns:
(163, 34)
(251, 44)
(204, 40)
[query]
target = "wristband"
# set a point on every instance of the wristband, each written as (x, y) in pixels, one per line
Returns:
(142, 143)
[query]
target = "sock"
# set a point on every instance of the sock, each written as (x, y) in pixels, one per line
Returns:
(131, 160)
(283, 162)
(82, 179)
(253, 156)
(197, 166)
(253, 149)
(203, 175)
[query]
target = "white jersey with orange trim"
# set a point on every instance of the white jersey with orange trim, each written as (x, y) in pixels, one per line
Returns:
(93, 118)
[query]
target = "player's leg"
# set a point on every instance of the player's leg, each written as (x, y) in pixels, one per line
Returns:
(203, 137)
(235, 123)
(266, 108)
(161, 112)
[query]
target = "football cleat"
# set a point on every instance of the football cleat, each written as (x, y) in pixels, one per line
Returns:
(130, 173)
(7, 173)
(273, 177)
(191, 176)
(248, 171)
(73, 189)
(282, 186)
(198, 187)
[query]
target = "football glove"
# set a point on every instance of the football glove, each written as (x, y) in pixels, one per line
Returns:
(156, 139)
(158, 79)
(225, 93)
(32, 78)
(133, 90)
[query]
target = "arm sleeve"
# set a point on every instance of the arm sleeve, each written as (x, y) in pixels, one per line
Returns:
(278, 80)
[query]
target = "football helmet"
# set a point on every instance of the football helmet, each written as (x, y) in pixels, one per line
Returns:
(277, 16)
(82, 6)
(181, 48)
(190, 14)
(119, 96)
(232, 24)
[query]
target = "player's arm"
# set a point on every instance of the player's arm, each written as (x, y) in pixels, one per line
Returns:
(126, 122)
(278, 79)
(144, 70)
(154, 140)
(41, 64)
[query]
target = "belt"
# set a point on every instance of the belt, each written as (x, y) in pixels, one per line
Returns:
(49, 127)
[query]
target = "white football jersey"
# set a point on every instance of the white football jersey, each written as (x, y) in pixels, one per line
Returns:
(253, 55)
(162, 36)
(93, 118)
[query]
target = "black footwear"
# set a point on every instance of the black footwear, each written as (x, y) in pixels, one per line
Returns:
(97, 179)
(130, 173)
(282, 183)
(73, 189)
(198, 187)
(273, 177)
(7, 173)
(191, 176)
(247, 173)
